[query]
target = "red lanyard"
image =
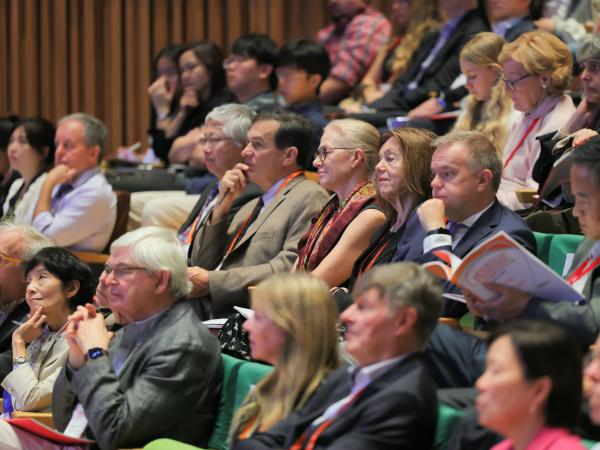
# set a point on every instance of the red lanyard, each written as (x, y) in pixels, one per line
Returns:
(246, 223)
(520, 144)
(370, 260)
(583, 269)
(310, 445)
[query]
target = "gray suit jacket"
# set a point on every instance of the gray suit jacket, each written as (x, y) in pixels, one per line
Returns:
(169, 386)
(270, 244)
(583, 320)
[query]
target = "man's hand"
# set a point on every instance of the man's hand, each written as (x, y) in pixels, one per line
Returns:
(231, 186)
(86, 330)
(432, 214)
(509, 304)
(583, 136)
(426, 109)
(59, 174)
(31, 329)
(199, 279)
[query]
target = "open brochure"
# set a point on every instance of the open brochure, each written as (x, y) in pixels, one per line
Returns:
(41, 430)
(503, 261)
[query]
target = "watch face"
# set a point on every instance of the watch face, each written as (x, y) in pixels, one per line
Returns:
(95, 353)
(20, 360)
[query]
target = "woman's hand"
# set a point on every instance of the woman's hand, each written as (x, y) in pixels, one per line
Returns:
(189, 100)
(31, 329)
(161, 96)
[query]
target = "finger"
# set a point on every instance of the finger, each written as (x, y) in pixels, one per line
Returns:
(91, 309)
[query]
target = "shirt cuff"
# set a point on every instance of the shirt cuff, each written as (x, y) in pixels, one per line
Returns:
(434, 241)
(42, 221)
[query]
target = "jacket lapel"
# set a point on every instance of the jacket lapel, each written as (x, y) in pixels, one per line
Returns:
(483, 227)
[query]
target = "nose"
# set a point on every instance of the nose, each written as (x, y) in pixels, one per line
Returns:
(480, 383)
(247, 151)
(436, 183)
(317, 162)
(585, 74)
(348, 314)
(576, 212)
(248, 324)
(379, 167)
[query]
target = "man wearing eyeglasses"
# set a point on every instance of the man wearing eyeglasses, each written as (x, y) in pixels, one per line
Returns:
(229, 255)
(158, 376)
(17, 244)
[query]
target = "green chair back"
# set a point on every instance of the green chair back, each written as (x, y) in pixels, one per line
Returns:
(447, 418)
(543, 241)
(562, 248)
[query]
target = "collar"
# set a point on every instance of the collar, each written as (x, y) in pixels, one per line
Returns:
(544, 107)
(469, 221)
(595, 251)
(502, 26)
(272, 192)
(146, 324)
(365, 375)
(85, 176)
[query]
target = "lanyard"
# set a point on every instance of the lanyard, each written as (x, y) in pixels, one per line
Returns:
(520, 144)
(371, 258)
(583, 269)
(246, 223)
(310, 445)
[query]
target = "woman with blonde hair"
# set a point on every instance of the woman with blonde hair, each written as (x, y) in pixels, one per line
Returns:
(488, 106)
(345, 164)
(537, 73)
(414, 19)
(294, 329)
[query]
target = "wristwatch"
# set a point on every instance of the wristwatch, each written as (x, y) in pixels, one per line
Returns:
(19, 360)
(95, 353)
(438, 231)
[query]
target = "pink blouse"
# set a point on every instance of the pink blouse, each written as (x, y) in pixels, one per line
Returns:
(548, 439)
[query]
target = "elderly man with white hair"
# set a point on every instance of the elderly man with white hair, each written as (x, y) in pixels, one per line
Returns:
(159, 376)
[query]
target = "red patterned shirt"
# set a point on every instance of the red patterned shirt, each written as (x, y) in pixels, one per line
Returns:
(353, 46)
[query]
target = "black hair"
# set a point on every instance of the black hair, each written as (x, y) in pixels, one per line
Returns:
(259, 47)
(588, 155)
(547, 350)
(294, 131)
(7, 126)
(40, 136)
(171, 52)
(211, 56)
(306, 55)
(67, 267)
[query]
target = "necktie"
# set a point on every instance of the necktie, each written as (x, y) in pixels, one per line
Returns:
(453, 227)
(63, 189)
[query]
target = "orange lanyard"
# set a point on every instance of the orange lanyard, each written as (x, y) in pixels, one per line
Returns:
(370, 260)
(520, 144)
(584, 268)
(310, 445)
(246, 223)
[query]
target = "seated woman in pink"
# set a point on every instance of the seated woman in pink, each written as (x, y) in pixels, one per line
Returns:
(537, 73)
(531, 389)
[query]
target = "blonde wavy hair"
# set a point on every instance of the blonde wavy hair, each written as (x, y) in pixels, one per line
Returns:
(425, 17)
(301, 306)
(542, 54)
(490, 116)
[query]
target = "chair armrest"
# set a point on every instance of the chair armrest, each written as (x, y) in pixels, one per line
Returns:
(43, 417)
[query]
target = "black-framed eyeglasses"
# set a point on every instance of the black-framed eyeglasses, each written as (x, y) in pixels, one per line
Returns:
(322, 152)
(212, 140)
(121, 270)
(512, 84)
(6, 260)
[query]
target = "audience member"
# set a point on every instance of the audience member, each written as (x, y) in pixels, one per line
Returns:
(531, 389)
(510, 18)
(566, 19)
(57, 282)
(592, 378)
(488, 107)
(76, 205)
(537, 73)
(294, 329)
(403, 181)
(584, 123)
(250, 70)
(345, 164)
(413, 20)
(352, 42)
(388, 401)
(31, 154)
(159, 376)
(203, 82)
(165, 93)
(18, 243)
(434, 66)
(262, 238)
(302, 66)
(7, 176)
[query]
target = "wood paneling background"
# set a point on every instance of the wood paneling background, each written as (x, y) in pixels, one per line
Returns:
(63, 56)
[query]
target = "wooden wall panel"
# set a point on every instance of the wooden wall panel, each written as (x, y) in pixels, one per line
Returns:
(95, 56)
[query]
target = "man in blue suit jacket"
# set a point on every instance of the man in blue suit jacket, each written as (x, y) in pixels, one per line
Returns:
(464, 211)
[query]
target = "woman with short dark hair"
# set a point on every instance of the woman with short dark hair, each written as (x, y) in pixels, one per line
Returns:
(57, 282)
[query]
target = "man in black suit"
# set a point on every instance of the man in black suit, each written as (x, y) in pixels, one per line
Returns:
(387, 401)
(464, 210)
(510, 18)
(18, 243)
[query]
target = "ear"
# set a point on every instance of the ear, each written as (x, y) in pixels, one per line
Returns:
(485, 179)
(405, 320)
(357, 156)
(541, 390)
(95, 152)
(314, 80)
(290, 156)
(72, 288)
(45, 152)
(265, 71)
(162, 282)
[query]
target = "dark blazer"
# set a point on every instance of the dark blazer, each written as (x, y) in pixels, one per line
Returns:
(582, 320)
(6, 330)
(519, 28)
(169, 386)
(496, 218)
(252, 191)
(442, 72)
(398, 410)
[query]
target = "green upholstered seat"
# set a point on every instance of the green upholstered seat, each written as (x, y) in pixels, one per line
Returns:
(562, 247)
(447, 418)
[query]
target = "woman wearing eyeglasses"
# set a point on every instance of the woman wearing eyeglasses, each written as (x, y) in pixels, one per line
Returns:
(537, 73)
(345, 163)
(57, 282)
